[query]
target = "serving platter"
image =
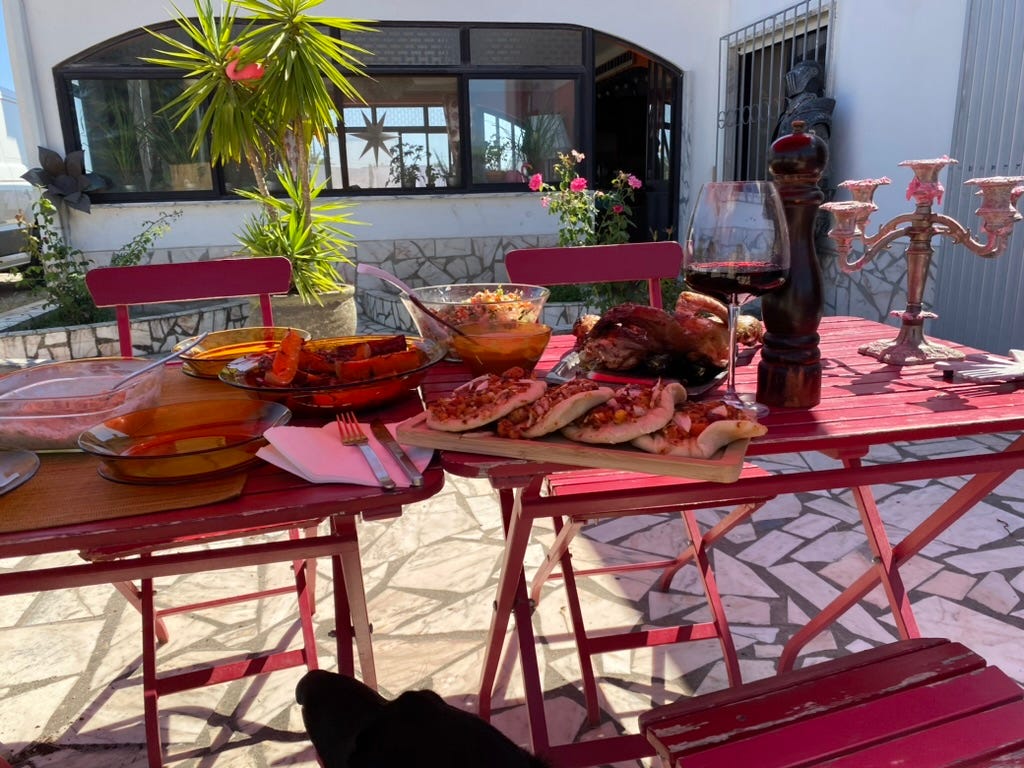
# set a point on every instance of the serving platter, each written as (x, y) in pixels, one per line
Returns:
(724, 467)
(699, 382)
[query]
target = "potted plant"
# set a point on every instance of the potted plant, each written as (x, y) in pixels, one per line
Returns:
(260, 86)
(445, 170)
(541, 138)
(496, 152)
(405, 170)
(184, 170)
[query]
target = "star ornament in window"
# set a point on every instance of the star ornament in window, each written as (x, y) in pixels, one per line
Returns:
(375, 137)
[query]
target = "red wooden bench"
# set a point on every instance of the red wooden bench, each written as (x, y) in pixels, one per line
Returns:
(920, 703)
(648, 262)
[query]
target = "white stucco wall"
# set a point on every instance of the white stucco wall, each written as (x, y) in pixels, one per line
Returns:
(894, 76)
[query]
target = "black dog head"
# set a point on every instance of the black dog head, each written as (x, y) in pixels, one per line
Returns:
(352, 726)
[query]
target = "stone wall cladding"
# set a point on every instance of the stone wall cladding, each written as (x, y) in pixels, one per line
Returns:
(431, 262)
(150, 335)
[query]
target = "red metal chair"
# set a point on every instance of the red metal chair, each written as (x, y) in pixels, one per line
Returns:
(648, 262)
(127, 287)
(923, 703)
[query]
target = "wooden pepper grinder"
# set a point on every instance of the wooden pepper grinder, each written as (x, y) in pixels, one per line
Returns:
(789, 374)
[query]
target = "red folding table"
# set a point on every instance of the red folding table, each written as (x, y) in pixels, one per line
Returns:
(864, 404)
(270, 499)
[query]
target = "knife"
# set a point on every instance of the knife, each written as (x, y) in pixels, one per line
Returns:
(386, 439)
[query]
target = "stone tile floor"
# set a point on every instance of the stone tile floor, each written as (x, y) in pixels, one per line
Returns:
(70, 667)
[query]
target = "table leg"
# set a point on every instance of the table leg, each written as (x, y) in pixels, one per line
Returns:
(342, 620)
(884, 564)
(151, 715)
(303, 572)
(355, 591)
(973, 491)
(512, 598)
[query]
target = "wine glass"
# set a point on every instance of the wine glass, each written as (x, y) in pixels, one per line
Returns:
(737, 247)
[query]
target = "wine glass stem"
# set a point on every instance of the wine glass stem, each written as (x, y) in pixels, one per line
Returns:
(734, 313)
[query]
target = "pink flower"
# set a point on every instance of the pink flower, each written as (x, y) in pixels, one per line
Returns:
(536, 181)
(579, 157)
(247, 72)
(545, 201)
(578, 184)
(617, 209)
(634, 182)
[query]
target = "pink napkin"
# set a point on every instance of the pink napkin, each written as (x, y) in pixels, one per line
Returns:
(316, 454)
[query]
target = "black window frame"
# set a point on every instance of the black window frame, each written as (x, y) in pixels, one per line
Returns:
(85, 66)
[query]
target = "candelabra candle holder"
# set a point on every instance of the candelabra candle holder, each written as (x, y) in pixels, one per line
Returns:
(999, 195)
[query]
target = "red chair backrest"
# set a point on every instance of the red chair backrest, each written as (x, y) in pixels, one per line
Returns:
(124, 287)
(565, 265)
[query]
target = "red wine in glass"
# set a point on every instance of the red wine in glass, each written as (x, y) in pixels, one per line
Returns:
(739, 281)
(737, 247)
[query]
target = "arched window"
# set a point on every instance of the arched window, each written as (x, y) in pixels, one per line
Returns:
(447, 108)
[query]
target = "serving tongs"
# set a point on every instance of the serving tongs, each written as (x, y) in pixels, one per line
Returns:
(983, 368)
(161, 361)
(387, 277)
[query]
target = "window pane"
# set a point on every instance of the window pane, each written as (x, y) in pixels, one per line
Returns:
(130, 143)
(406, 135)
(526, 47)
(520, 126)
(404, 46)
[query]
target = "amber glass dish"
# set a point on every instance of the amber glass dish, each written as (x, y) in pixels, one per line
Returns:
(495, 347)
(184, 441)
(245, 373)
(206, 359)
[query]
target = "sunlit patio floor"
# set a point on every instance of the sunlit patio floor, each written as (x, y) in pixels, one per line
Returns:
(70, 664)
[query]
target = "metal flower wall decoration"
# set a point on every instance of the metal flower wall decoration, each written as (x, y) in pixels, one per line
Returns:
(65, 179)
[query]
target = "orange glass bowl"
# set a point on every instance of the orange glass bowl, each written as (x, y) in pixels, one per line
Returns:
(208, 357)
(325, 400)
(496, 347)
(184, 441)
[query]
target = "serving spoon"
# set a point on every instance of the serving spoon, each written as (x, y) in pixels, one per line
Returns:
(157, 363)
(368, 269)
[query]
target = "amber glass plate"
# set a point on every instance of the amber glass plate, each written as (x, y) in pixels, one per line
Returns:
(208, 357)
(245, 373)
(182, 442)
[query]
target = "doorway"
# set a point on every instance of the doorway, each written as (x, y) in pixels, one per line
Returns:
(635, 130)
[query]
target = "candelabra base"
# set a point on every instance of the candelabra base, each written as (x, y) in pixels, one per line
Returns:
(910, 347)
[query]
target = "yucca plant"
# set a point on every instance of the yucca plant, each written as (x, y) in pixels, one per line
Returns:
(260, 81)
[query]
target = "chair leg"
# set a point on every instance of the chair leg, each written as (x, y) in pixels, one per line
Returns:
(134, 597)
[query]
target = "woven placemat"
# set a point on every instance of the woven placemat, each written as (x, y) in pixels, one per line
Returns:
(67, 490)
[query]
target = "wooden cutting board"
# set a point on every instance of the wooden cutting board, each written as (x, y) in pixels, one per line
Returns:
(723, 468)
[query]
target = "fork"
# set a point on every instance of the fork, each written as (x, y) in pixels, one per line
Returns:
(352, 434)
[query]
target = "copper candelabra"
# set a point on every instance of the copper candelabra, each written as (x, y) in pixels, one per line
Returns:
(999, 195)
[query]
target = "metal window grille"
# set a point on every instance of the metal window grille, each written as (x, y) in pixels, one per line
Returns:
(753, 62)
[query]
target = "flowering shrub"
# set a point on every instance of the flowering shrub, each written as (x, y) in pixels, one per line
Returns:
(587, 217)
(590, 217)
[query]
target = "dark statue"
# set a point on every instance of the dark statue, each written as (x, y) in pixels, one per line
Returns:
(805, 86)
